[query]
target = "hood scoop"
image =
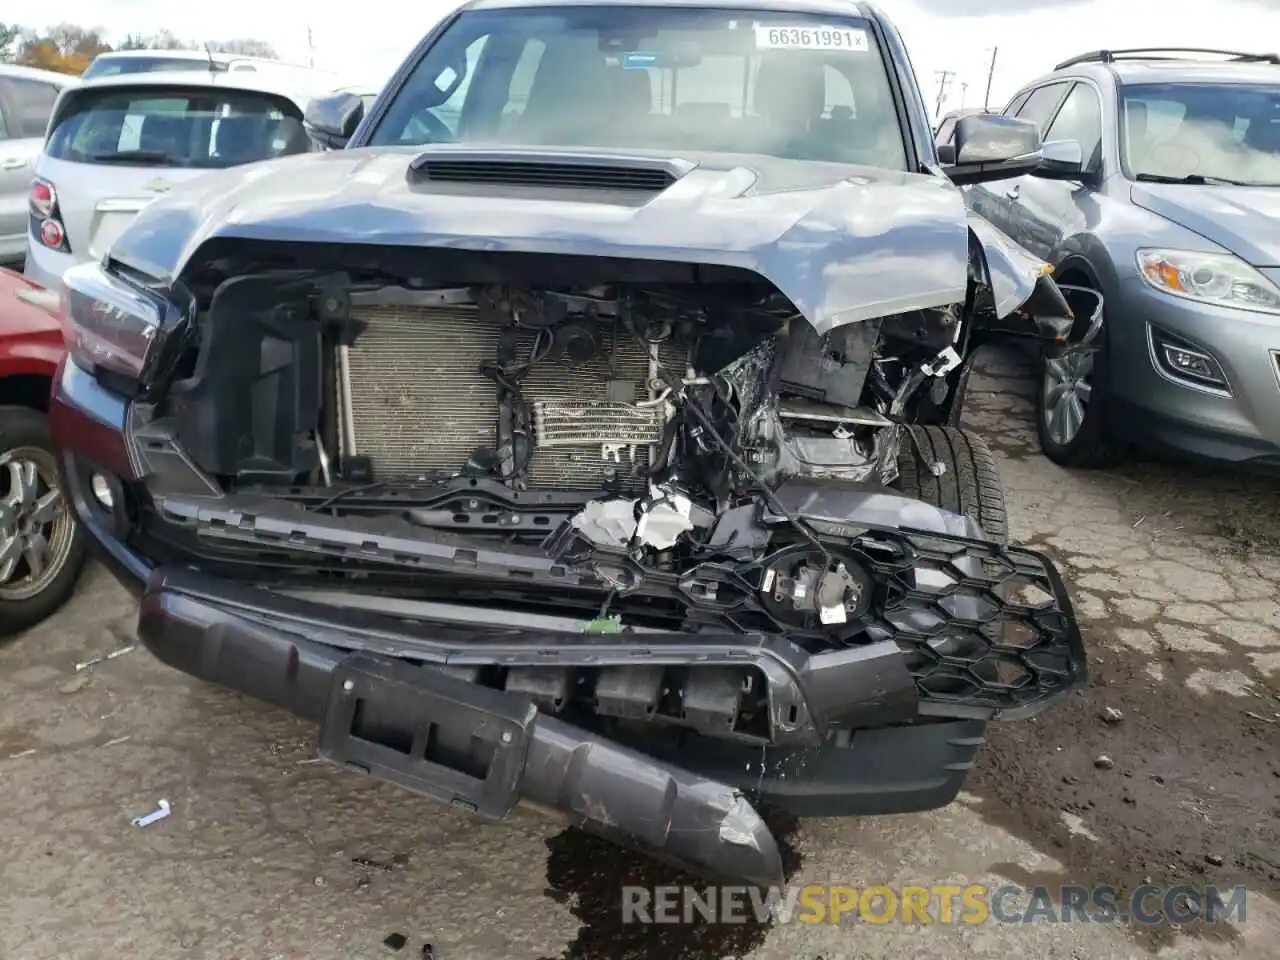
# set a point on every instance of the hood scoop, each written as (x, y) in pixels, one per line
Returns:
(528, 168)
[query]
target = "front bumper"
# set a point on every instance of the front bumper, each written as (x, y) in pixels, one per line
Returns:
(689, 802)
(465, 745)
(863, 729)
(1239, 424)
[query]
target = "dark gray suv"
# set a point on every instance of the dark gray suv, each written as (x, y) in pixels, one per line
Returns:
(1160, 188)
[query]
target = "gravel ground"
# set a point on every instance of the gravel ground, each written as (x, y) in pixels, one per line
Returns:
(1175, 571)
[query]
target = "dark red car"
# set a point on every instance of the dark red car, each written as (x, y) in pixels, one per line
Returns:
(42, 549)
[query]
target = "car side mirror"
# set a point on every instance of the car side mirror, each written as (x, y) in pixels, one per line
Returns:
(989, 146)
(331, 120)
(1061, 160)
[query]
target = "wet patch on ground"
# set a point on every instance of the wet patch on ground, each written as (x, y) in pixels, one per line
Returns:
(588, 874)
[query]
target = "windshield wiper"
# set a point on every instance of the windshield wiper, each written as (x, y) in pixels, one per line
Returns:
(1195, 179)
(138, 156)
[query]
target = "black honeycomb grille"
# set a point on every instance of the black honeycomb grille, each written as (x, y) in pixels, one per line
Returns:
(985, 627)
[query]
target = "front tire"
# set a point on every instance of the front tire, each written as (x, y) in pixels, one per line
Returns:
(42, 548)
(1072, 399)
(969, 484)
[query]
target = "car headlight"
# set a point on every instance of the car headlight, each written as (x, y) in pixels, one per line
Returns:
(116, 331)
(1209, 278)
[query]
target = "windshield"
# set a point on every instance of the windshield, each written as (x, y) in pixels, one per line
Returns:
(175, 127)
(1203, 132)
(112, 66)
(659, 78)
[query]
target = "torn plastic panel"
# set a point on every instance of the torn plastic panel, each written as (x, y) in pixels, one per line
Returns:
(1086, 306)
(657, 522)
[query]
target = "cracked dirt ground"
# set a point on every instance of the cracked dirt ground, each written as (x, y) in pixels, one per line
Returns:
(1176, 573)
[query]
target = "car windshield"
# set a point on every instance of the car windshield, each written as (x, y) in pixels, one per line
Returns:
(662, 78)
(1203, 132)
(112, 66)
(175, 127)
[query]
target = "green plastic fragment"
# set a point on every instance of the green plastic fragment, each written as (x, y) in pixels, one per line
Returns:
(605, 625)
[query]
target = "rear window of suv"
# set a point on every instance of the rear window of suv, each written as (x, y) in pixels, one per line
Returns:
(109, 66)
(175, 127)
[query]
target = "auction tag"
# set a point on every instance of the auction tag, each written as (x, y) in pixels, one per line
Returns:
(812, 38)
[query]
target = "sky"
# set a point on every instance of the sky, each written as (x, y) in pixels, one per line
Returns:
(367, 40)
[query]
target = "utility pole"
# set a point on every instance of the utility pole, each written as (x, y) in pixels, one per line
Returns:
(964, 92)
(311, 46)
(986, 101)
(944, 78)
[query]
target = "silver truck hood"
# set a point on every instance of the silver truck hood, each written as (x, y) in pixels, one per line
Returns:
(843, 243)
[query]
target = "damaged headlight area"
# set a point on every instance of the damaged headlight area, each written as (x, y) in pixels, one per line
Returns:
(119, 331)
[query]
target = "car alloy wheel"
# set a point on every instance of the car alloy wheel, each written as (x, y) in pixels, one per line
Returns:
(1068, 388)
(36, 530)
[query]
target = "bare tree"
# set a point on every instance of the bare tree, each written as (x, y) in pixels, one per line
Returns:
(10, 33)
(244, 47)
(71, 39)
(162, 40)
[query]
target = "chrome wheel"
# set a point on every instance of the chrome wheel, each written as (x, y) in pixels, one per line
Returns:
(1067, 391)
(36, 530)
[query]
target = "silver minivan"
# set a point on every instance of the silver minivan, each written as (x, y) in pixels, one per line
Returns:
(117, 142)
(27, 97)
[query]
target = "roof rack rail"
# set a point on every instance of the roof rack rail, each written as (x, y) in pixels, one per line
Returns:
(1165, 53)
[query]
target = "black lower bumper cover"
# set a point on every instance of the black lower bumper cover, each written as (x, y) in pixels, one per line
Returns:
(599, 784)
(422, 728)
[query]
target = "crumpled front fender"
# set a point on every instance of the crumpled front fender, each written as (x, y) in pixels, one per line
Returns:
(1026, 300)
(1011, 272)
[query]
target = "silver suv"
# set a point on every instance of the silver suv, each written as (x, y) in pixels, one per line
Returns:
(26, 100)
(1159, 187)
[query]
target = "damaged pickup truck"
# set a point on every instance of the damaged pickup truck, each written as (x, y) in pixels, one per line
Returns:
(584, 433)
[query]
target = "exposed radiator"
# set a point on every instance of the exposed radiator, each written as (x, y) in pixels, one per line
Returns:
(419, 404)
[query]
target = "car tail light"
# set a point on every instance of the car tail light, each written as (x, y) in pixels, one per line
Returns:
(46, 219)
(51, 234)
(120, 332)
(43, 198)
